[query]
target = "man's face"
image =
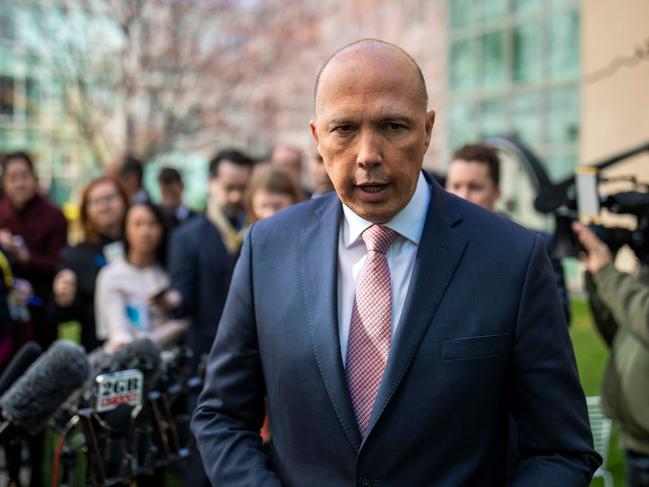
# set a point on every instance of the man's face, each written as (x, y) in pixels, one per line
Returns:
(321, 182)
(172, 194)
(19, 182)
(288, 159)
(372, 131)
(227, 190)
(470, 180)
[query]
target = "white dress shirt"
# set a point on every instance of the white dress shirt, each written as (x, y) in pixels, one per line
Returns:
(352, 253)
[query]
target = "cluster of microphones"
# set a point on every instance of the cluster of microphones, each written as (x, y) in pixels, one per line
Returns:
(126, 411)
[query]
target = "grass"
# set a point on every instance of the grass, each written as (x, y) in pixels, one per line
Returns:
(592, 353)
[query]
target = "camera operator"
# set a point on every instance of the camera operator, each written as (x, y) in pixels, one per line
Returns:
(620, 304)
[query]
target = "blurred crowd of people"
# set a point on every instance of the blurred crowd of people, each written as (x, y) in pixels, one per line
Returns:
(162, 270)
(141, 269)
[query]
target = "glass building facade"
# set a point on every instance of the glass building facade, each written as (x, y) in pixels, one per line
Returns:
(514, 68)
(32, 99)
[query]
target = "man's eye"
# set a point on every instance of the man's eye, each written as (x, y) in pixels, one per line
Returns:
(343, 129)
(393, 126)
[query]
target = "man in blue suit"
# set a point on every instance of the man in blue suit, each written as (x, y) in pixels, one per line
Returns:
(391, 326)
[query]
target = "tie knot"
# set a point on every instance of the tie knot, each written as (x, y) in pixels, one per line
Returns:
(378, 238)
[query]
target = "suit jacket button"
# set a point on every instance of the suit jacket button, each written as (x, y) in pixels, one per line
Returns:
(364, 483)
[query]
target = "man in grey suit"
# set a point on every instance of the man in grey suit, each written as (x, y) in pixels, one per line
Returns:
(391, 326)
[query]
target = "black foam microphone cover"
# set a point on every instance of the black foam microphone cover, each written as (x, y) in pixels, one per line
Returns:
(48, 382)
(142, 354)
(18, 365)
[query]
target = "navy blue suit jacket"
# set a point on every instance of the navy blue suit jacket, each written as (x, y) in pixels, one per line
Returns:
(481, 336)
(200, 268)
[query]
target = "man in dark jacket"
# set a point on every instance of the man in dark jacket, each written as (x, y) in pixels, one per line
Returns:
(202, 255)
(474, 174)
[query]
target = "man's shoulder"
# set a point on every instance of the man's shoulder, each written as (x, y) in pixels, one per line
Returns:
(485, 226)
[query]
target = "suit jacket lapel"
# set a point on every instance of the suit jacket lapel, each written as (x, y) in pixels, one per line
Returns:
(319, 272)
(440, 251)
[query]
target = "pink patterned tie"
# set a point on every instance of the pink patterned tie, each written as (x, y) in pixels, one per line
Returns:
(369, 332)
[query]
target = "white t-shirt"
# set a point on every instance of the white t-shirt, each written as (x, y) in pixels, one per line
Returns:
(122, 300)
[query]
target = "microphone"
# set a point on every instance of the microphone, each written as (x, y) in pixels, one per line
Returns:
(48, 382)
(142, 354)
(19, 363)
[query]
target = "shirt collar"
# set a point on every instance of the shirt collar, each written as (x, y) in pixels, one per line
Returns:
(408, 223)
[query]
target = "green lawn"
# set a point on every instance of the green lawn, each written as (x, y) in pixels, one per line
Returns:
(591, 353)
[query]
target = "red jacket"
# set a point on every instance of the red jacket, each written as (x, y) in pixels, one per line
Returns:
(44, 230)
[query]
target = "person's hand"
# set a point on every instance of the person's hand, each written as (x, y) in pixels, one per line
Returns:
(116, 344)
(6, 239)
(597, 255)
(169, 300)
(22, 290)
(15, 245)
(65, 288)
(20, 250)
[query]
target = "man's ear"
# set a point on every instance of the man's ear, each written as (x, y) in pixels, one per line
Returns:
(314, 131)
(430, 121)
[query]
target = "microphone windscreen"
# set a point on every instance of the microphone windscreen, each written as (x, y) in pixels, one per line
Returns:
(48, 382)
(142, 354)
(18, 365)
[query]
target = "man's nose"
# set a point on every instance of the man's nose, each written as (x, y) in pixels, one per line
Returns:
(369, 149)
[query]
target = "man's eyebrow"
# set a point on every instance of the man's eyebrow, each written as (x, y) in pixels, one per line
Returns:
(339, 120)
(380, 117)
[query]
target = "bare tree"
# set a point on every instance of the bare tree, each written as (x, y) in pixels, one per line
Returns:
(150, 76)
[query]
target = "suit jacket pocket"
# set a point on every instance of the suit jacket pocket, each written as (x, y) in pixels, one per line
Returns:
(474, 347)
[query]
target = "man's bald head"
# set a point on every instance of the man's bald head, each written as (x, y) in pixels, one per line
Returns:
(371, 47)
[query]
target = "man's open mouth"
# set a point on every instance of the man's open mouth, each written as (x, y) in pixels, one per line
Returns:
(372, 188)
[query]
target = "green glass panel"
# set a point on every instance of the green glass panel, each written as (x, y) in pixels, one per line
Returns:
(56, 98)
(493, 60)
(463, 65)
(528, 6)
(526, 118)
(563, 45)
(492, 9)
(8, 21)
(462, 124)
(493, 120)
(563, 115)
(527, 52)
(462, 13)
(32, 98)
(557, 4)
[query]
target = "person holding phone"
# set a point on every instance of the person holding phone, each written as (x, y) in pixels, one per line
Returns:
(133, 298)
(101, 213)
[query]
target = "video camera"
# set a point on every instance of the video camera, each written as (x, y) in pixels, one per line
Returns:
(578, 198)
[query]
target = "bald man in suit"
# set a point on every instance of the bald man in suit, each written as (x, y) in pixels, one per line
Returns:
(392, 327)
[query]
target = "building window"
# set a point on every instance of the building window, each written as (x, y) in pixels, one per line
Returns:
(32, 97)
(514, 69)
(7, 23)
(7, 96)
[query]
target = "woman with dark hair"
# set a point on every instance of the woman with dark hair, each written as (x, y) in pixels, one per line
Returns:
(133, 298)
(32, 233)
(102, 209)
